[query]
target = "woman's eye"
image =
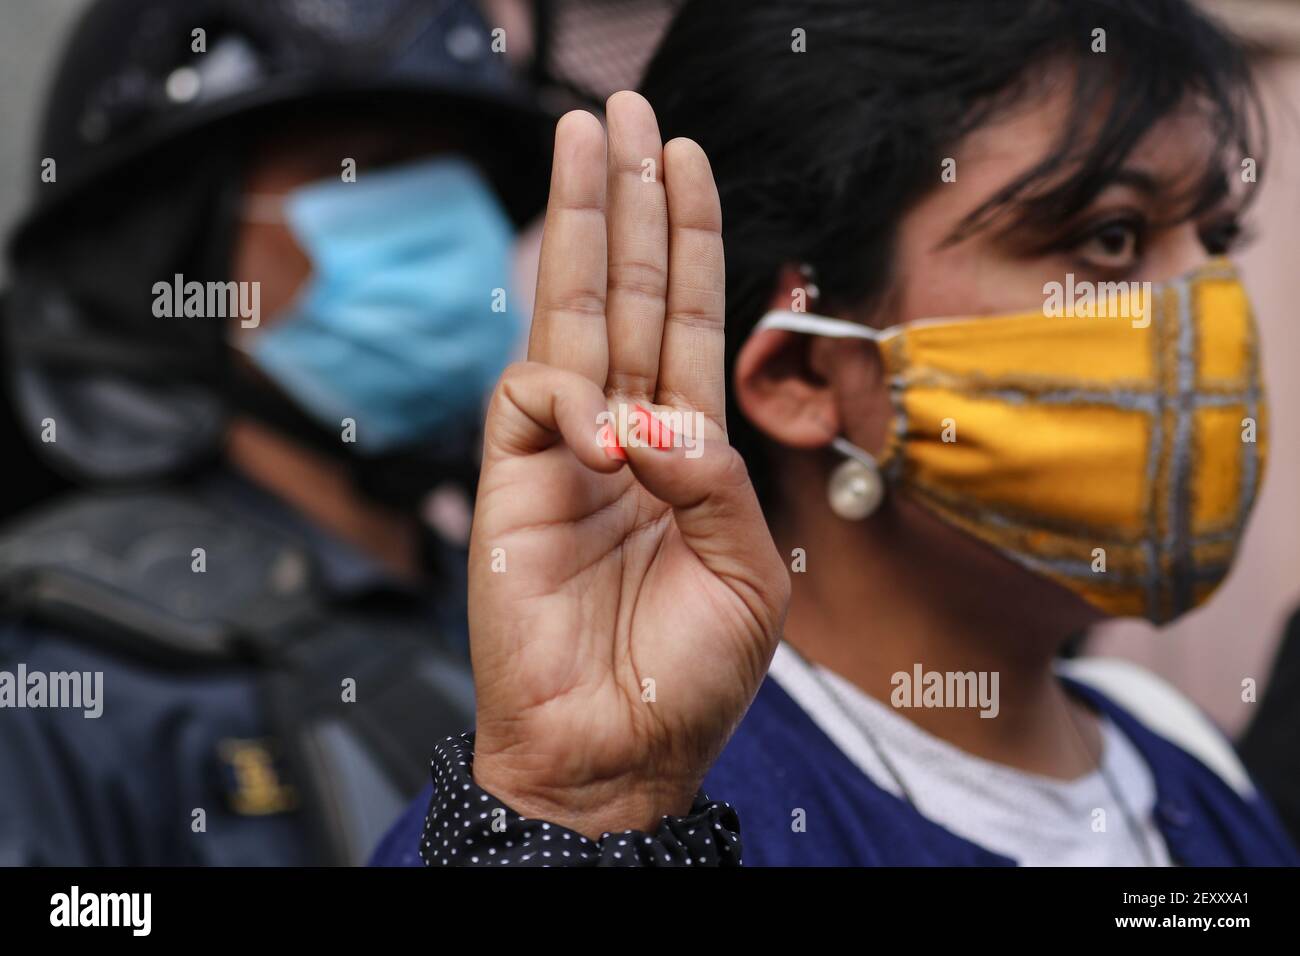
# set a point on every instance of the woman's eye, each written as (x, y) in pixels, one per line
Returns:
(1115, 245)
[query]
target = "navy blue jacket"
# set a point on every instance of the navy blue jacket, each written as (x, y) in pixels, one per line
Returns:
(121, 789)
(779, 759)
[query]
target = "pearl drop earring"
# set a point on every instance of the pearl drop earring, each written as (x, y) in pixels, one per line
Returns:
(856, 487)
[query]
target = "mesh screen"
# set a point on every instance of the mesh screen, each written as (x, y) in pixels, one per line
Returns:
(593, 48)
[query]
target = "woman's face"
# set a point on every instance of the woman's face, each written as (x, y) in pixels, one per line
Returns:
(1129, 232)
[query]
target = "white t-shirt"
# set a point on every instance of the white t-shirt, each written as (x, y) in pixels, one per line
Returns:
(1035, 820)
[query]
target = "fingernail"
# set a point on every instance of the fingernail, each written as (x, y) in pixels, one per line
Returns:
(658, 435)
(609, 444)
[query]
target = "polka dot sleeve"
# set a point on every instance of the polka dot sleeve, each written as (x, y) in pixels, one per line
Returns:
(467, 826)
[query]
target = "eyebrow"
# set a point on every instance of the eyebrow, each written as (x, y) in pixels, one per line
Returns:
(1204, 194)
(1207, 190)
(1137, 179)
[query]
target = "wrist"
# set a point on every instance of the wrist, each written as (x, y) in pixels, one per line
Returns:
(592, 809)
(469, 826)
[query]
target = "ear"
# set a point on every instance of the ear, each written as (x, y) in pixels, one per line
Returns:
(778, 391)
(803, 390)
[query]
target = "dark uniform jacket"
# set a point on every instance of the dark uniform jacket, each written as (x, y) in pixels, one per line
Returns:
(267, 702)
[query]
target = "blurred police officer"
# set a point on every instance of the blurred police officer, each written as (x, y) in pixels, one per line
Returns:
(254, 310)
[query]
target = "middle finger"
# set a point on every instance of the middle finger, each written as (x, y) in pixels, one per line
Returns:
(637, 224)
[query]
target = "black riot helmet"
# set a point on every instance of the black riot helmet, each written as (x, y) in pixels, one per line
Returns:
(150, 116)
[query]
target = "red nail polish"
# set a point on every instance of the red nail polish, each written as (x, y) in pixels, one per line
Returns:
(609, 444)
(658, 435)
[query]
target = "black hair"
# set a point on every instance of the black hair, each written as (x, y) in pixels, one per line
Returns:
(819, 154)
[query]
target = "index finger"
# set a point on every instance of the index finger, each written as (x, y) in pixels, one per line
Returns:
(568, 329)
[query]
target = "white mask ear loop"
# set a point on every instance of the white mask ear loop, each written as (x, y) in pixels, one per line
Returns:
(856, 488)
(811, 324)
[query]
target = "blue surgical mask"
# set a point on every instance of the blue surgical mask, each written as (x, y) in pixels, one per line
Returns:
(402, 326)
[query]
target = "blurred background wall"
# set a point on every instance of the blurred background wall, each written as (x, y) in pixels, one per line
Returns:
(30, 34)
(1209, 653)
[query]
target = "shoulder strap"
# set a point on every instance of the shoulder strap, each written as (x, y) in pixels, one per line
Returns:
(158, 574)
(358, 709)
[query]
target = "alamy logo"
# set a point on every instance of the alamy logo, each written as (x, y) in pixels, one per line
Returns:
(959, 689)
(78, 690)
(208, 300)
(1092, 300)
(75, 908)
(634, 427)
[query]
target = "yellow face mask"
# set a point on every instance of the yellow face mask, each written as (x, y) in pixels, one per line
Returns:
(1112, 440)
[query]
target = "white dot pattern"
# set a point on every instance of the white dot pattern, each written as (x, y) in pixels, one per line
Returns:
(459, 831)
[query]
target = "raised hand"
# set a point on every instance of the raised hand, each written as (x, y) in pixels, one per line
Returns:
(624, 603)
